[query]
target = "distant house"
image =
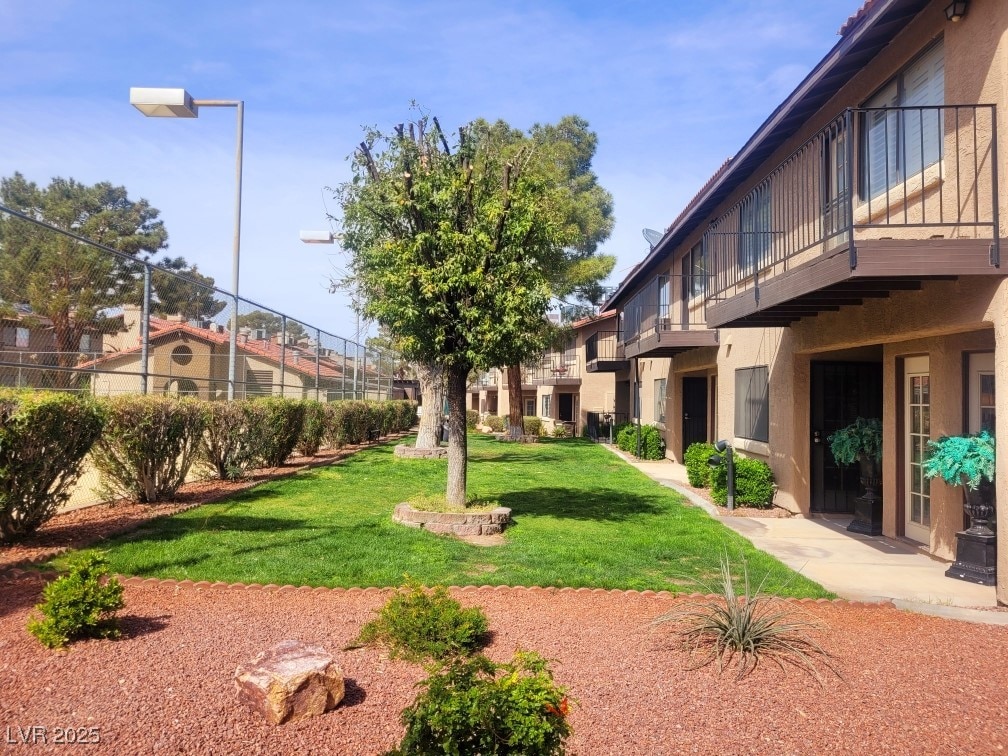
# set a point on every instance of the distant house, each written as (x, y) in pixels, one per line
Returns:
(191, 358)
(565, 386)
(28, 353)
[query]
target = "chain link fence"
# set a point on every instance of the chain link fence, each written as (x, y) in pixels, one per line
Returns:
(79, 316)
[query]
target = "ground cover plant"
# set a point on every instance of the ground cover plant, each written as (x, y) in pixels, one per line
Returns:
(583, 517)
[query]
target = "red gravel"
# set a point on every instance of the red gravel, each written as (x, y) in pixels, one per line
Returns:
(910, 683)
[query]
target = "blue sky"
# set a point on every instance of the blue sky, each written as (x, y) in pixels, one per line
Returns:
(672, 88)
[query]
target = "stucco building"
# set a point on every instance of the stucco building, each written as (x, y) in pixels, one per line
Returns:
(846, 262)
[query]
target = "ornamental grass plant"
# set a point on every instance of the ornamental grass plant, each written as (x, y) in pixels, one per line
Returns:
(746, 628)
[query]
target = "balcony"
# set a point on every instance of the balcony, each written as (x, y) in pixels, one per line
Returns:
(604, 353)
(554, 370)
(484, 381)
(667, 317)
(877, 201)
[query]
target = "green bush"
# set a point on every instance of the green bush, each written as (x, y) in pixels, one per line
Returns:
(652, 443)
(78, 604)
(313, 428)
(282, 420)
(148, 446)
(406, 414)
(753, 483)
(472, 417)
(44, 438)
(533, 426)
(474, 706)
(698, 471)
(382, 416)
(417, 624)
(495, 423)
(347, 422)
(230, 439)
(560, 431)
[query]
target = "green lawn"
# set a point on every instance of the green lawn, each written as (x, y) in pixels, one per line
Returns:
(583, 517)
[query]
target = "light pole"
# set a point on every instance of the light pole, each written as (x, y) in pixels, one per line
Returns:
(328, 237)
(177, 103)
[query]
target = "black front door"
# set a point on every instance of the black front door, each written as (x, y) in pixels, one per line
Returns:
(565, 407)
(841, 392)
(694, 402)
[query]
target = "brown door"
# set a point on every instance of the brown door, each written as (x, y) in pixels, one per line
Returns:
(841, 392)
(694, 401)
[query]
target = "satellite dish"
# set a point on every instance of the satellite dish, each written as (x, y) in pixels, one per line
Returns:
(652, 236)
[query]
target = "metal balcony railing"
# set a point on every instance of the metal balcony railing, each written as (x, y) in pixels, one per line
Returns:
(667, 303)
(870, 173)
(603, 346)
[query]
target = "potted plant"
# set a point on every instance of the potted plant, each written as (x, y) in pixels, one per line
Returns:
(968, 461)
(861, 442)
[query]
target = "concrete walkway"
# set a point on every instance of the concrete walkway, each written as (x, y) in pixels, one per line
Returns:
(862, 568)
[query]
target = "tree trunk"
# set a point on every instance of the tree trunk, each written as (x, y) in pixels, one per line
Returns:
(516, 425)
(455, 495)
(432, 389)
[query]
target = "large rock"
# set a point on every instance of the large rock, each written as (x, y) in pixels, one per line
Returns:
(290, 681)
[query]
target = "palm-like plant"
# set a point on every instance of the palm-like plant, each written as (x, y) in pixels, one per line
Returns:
(863, 436)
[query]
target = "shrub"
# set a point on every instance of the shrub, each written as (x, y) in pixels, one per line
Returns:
(474, 706)
(495, 423)
(44, 438)
(406, 414)
(148, 446)
(559, 431)
(652, 443)
(347, 422)
(472, 417)
(753, 483)
(282, 420)
(698, 471)
(533, 426)
(417, 624)
(382, 416)
(313, 428)
(78, 604)
(751, 626)
(230, 439)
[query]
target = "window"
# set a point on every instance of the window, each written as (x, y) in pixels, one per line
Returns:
(752, 403)
(85, 342)
(659, 400)
(546, 405)
(530, 408)
(754, 230)
(663, 300)
(182, 355)
(258, 382)
(900, 135)
(21, 336)
(694, 272)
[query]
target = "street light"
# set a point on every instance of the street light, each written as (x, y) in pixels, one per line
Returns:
(329, 237)
(160, 102)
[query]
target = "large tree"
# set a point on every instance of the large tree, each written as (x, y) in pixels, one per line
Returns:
(72, 283)
(180, 289)
(565, 151)
(271, 323)
(445, 242)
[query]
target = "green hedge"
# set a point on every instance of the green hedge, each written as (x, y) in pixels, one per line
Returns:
(533, 426)
(652, 443)
(495, 423)
(148, 446)
(754, 483)
(698, 471)
(313, 428)
(347, 422)
(230, 443)
(282, 421)
(44, 438)
(472, 418)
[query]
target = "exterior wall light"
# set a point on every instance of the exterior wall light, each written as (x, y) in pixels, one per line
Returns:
(955, 10)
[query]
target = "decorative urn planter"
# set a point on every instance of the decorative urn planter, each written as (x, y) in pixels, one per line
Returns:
(969, 462)
(861, 442)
